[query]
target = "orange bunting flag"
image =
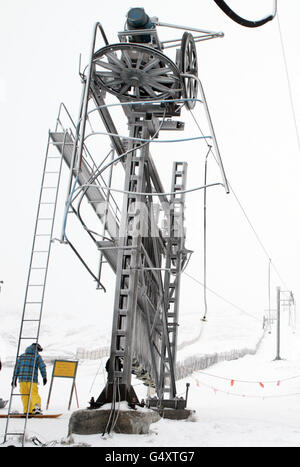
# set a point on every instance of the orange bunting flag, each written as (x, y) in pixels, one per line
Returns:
(262, 385)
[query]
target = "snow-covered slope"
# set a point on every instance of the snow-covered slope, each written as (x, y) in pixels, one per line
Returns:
(259, 409)
(62, 334)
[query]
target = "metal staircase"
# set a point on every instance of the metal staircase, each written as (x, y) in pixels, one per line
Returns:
(38, 270)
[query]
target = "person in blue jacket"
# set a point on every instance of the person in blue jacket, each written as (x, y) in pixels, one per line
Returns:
(26, 371)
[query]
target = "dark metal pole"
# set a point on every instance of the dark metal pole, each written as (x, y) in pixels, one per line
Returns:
(269, 295)
(204, 239)
(278, 324)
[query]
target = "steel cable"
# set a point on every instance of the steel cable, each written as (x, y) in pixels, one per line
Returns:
(242, 21)
(244, 212)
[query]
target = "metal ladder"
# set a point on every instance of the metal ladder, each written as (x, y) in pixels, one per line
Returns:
(38, 269)
(174, 256)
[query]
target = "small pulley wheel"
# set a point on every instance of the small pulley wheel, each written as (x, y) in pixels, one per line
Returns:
(189, 65)
(136, 72)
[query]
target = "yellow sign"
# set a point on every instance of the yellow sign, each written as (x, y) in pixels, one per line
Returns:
(65, 369)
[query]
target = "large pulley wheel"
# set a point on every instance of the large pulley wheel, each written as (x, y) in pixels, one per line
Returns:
(189, 65)
(136, 72)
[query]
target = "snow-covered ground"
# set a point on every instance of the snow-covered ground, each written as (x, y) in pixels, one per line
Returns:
(253, 401)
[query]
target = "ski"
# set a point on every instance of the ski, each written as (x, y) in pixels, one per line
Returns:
(19, 415)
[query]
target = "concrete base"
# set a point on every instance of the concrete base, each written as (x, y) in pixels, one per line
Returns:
(90, 422)
(177, 414)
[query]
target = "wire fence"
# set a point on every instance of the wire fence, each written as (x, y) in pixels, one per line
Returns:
(95, 354)
(183, 368)
(201, 362)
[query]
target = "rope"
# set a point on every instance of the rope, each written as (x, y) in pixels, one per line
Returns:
(257, 236)
(40, 444)
(99, 172)
(288, 82)
(132, 138)
(281, 380)
(242, 21)
(244, 211)
(117, 413)
(151, 194)
(153, 101)
(204, 234)
(107, 428)
(248, 396)
(241, 310)
(101, 367)
(68, 241)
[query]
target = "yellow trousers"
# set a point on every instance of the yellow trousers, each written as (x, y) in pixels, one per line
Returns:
(35, 397)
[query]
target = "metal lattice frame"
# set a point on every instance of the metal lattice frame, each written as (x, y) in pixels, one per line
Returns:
(174, 259)
(148, 266)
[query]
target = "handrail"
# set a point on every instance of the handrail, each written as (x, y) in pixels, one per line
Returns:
(58, 119)
(84, 108)
(86, 155)
(103, 33)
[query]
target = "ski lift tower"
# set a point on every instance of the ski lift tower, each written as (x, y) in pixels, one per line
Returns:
(148, 263)
(147, 260)
(146, 257)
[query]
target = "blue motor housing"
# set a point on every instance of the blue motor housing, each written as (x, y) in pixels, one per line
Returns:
(138, 19)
